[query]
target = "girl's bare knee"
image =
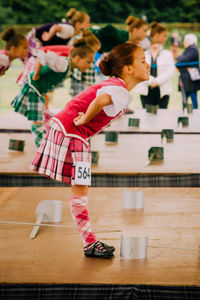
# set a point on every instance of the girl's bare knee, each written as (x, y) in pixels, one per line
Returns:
(79, 190)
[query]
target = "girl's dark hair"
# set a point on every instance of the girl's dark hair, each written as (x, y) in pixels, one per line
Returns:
(75, 16)
(157, 28)
(12, 38)
(120, 56)
(80, 48)
(133, 22)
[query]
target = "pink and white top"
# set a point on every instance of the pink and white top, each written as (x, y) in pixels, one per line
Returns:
(67, 31)
(115, 87)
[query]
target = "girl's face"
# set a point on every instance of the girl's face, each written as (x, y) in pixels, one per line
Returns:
(138, 33)
(84, 25)
(140, 66)
(22, 50)
(84, 63)
(160, 38)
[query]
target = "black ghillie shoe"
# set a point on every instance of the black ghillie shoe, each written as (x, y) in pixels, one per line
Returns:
(97, 250)
(108, 247)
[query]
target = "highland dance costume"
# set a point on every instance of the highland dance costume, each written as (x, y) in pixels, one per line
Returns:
(35, 42)
(81, 80)
(65, 146)
(30, 101)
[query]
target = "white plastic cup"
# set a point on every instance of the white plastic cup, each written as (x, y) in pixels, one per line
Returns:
(133, 247)
(51, 209)
(133, 199)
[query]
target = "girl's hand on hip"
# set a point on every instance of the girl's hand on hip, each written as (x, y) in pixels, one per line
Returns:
(45, 36)
(36, 76)
(79, 120)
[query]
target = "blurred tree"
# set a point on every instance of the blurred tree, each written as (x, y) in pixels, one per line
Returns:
(6, 15)
(106, 11)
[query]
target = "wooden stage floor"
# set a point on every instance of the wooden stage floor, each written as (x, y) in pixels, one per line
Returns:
(170, 219)
(149, 122)
(128, 156)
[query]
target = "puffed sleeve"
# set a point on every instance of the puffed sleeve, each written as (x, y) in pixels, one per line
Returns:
(53, 61)
(120, 98)
(4, 61)
(66, 32)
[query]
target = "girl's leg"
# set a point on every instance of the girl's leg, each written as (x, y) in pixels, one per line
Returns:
(152, 98)
(37, 132)
(164, 101)
(47, 116)
(144, 101)
(193, 96)
(79, 209)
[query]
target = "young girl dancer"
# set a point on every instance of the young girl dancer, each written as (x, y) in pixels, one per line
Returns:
(137, 29)
(81, 80)
(53, 34)
(50, 71)
(16, 46)
(156, 91)
(60, 33)
(65, 154)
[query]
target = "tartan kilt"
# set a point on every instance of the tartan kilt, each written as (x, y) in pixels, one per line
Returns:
(29, 103)
(76, 87)
(58, 154)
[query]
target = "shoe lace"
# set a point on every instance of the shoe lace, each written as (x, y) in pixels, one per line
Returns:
(100, 246)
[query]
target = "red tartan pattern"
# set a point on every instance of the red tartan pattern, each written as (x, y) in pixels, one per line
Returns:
(79, 209)
(58, 154)
(29, 67)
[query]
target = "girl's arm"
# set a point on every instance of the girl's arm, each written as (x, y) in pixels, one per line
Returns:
(53, 61)
(46, 36)
(93, 109)
(38, 67)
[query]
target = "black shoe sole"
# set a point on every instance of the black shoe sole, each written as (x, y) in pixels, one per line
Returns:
(99, 256)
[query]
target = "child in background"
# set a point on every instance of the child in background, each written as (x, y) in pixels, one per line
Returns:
(52, 34)
(65, 155)
(137, 29)
(50, 71)
(175, 44)
(81, 80)
(156, 90)
(16, 46)
(77, 22)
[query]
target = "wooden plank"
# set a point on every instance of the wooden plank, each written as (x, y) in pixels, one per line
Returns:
(16, 162)
(165, 118)
(128, 156)
(170, 219)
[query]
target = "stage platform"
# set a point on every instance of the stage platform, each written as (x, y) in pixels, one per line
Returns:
(52, 266)
(123, 164)
(149, 122)
(170, 219)
(154, 123)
